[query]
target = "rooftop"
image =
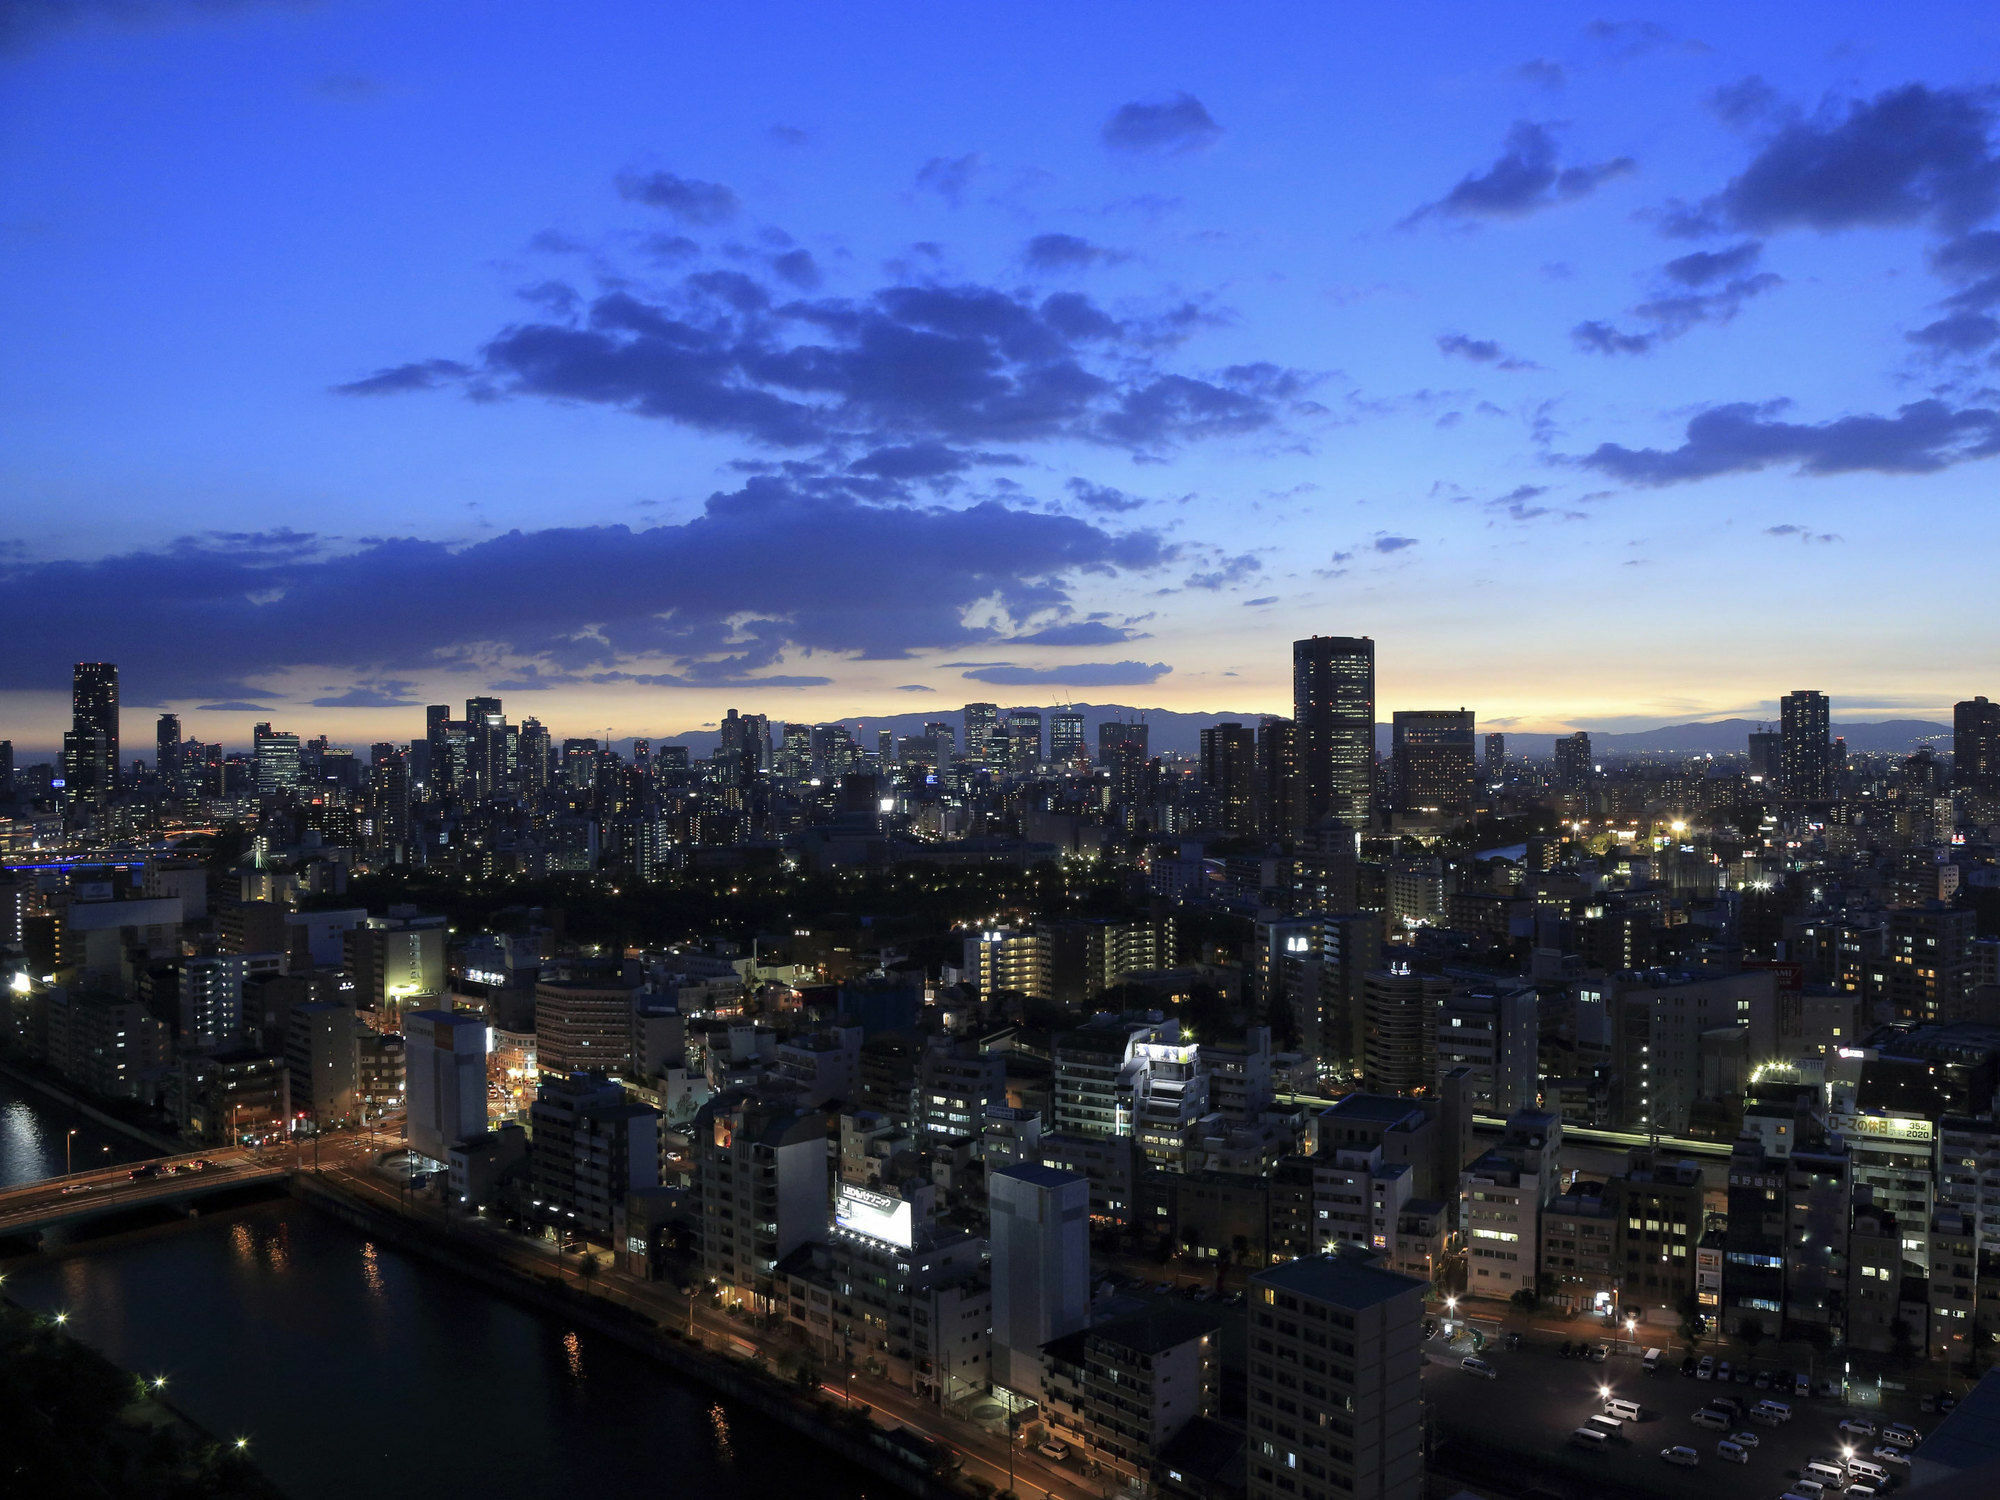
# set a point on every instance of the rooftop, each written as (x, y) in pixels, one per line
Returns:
(1345, 1281)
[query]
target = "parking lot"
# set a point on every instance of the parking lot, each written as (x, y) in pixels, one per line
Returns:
(1522, 1421)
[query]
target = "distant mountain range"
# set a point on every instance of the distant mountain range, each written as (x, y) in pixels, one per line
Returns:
(1171, 730)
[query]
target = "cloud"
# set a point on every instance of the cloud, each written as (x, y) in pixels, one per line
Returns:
(914, 687)
(392, 693)
(1960, 333)
(398, 380)
(1228, 571)
(1524, 179)
(1703, 266)
(234, 708)
(1066, 252)
(797, 268)
(1634, 39)
(1482, 351)
(26, 22)
(1261, 600)
(1393, 543)
(1695, 300)
(760, 573)
(1078, 633)
(1543, 73)
(789, 135)
(1102, 497)
(1078, 674)
(909, 363)
(1910, 155)
(1803, 533)
(950, 176)
(1744, 103)
(686, 198)
(1921, 438)
(1167, 126)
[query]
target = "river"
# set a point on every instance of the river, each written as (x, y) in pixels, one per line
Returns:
(356, 1370)
(35, 1138)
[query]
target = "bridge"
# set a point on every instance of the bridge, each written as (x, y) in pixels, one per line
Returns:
(173, 1181)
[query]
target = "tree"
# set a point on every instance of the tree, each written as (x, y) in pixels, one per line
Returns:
(1752, 1331)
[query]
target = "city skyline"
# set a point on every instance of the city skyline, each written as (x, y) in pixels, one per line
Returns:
(1583, 363)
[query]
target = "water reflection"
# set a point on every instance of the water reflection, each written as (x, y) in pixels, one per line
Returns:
(573, 1349)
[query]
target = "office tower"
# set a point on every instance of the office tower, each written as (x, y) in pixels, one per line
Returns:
(437, 730)
(532, 759)
(982, 721)
(1574, 767)
(1068, 750)
(485, 746)
(91, 760)
(167, 751)
(388, 796)
(1116, 732)
(444, 1072)
(744, 743)
(1277, 777)
(1344, 1326)
(1399, 1014)
(1229, 772)
(1766, 756)
(1433, 760)
(277, 759)
(584, 1025)
(1495, 1032)
(397, 963)
(6, 770)
(1041, 1265)
(1496, 759)
(1806, 758)
(1333, 704)
(1024, 733)
(885, 746)
(1975, 746)
(211, 997)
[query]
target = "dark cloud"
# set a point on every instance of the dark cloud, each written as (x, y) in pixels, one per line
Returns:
(1482, 351)
(908, 364)
(397, 380)
(234, 708)
(950, 176)
(1703, 266)
(1744, 103)
(1065, 252)
(1594, 336)
(759, 573)
(555, 242)
(1525, 179)
(1260, 601)
(1078, 674)
(797, 268)
(914, 687)
(1543, 73)
(1910, 155)
(669, 249)
(1921, 438)
(26, 22)
(1227, 571)
(1078, 633)
(1960, 333)
(686, 198)
(390, 693)
(1634, 39)
(1393, 543)
(789, 135)
(915, 461)
(1102, 497)
(1165, 126)
(1803, 533)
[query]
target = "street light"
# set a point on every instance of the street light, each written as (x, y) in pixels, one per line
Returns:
(68, 1141)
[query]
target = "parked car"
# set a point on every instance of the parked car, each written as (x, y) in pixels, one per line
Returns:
(1745, 1439)
(146, 1170)
(1053, 1450)
(1888, 1455)
(1732, 1452)
(1947, 1403)
(1801, 1386)
(1829, 1388)
(1709, 1417)
(1722, 1371)
(1687, 1365)
(1706, 1369)
(1902, 1434)
(1763, 1380)
(1472, 1365)
(1599, 1353)
(1857, 1427)
(1686, 1457)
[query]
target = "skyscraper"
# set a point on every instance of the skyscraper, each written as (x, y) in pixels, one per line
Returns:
(1277, 776)
(1574, 766)
(1024, 734)
(1805, 726)
(1229, 772)
(277, 761)
(1067, 747)
(1115, 732)
(167, 751)
(91, 756)
(1433, 760)
(1975, 745)
(1496, 759)
(981, 720)
(1333, 705)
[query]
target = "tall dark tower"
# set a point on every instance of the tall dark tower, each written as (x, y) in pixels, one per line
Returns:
(167, 751)
(1333, 705)
(1805, 746)
(1975, 745)
(93, 757)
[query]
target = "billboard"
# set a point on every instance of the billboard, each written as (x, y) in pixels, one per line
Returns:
(876, 1216)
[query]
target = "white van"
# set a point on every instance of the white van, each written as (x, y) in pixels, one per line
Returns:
(1714, 1419)
(1619, 1407)
(1826, 1473)
(1734, 1453)
(1777, 1409)
(1860, 1468)
(1588, 1437)
(1651, 1363)
(1608, 1425)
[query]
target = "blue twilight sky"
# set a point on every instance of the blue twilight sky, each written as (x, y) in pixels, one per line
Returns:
(636, 360)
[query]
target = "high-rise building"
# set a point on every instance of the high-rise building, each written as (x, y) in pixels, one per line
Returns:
(1496, 759)
(982, 722)
(1229, 772)
(6, 770)
(1277, 777)
(589, 1148)
(1333, 705)
(1068, 749)
(90, 765)
(1806, 758)
(1433, 760)
(584, 1025)
(1975, 746)
(762, 1184)
(1399, 1016)
(444, 1063)
(1115, 732)
(1335, 1412)
(1767, 757)
(277, 756)
(1024, 737)
(167, 751)
(1574, 767)
(1041, 1265)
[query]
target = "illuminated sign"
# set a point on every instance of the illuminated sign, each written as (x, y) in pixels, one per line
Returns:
(875, 1216)
(1891, 1128)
